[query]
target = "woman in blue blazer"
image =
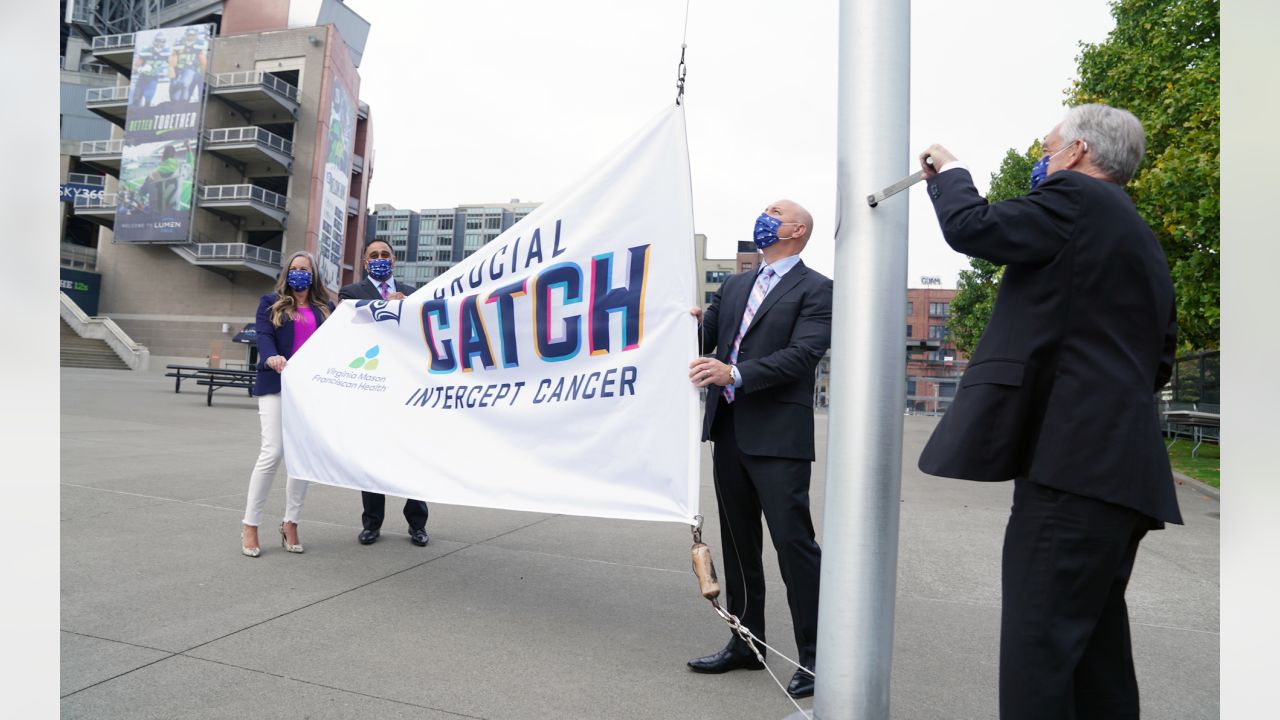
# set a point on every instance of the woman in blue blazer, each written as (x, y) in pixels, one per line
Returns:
(286, 318)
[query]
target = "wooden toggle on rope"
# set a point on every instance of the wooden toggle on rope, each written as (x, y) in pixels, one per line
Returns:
(709, 585)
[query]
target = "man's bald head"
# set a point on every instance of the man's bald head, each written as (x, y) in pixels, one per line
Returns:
(797, 221)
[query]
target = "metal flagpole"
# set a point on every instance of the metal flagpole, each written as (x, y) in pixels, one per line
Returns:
(868, 373)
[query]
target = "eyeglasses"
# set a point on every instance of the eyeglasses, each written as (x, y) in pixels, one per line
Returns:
(1063, 148)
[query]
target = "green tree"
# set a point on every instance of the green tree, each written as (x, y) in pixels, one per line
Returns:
(976, 289)
(1161, 63)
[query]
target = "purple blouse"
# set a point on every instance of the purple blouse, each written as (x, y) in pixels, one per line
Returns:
(303, 327)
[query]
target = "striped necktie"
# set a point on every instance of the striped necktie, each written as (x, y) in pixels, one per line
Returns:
(758, 292)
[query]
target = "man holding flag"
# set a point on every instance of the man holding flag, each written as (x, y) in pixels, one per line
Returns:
(768, 330)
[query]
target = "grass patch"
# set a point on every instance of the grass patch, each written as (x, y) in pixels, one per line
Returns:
(1204, 467)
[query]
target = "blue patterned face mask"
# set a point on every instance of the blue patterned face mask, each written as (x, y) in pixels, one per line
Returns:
(380, 269)
(1040, 170)
(299, 279)
(766, 232)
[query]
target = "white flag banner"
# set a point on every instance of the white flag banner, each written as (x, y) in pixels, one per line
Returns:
(547, 372)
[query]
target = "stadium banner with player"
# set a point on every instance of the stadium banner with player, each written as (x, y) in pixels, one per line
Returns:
(162, 135)
(547, 372)
(339, 137)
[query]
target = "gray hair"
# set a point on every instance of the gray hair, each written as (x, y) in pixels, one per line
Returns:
(1114, 137)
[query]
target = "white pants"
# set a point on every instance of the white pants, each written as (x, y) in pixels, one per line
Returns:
(264, 471)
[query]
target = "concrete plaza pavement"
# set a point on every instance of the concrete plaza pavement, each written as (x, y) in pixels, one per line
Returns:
(505, 614)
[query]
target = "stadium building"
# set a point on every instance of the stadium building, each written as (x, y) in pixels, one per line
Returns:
(202, 144)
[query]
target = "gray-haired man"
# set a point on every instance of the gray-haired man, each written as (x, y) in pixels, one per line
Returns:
(1058, 397)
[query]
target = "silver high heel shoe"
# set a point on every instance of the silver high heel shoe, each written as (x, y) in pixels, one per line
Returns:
(252, 552)
(284, 542)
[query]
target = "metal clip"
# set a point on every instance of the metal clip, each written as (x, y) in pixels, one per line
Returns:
(697, 529)
(680, 73)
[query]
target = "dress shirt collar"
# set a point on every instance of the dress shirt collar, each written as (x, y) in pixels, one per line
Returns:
(783, 266)
(391, 283)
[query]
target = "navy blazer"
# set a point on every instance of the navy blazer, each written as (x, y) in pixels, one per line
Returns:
(1059, 389)
(273, 340)
(773, 410)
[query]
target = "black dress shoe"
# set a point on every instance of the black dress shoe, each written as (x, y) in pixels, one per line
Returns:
(419, 537)
(801, 685)
(368, 537)
(727, 659)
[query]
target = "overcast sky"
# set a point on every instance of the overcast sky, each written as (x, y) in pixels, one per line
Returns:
(484, 101)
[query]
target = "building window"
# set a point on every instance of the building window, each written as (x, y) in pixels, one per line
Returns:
(710, 296)
(473, 241)
(939, 332)
(444, 223)
(717, 276)
(474, 223)
(908, 331)
(911, 308)
(493, 223)
(939, 309)
(400, 256)
(444, 255)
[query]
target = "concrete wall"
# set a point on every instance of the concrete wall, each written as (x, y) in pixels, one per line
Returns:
(171, 306)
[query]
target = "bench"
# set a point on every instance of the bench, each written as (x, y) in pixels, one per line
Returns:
(212, 378)
(184, 372)
(218, 378)
(1198, 421)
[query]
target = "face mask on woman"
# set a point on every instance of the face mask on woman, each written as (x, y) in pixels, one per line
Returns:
(299, 279)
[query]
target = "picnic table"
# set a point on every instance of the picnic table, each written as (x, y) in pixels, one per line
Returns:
(212, 378)
(1198, 421)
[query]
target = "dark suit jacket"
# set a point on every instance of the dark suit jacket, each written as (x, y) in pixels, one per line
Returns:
(1060, 388)
(272, 340)
(367, 290)
(773, 410)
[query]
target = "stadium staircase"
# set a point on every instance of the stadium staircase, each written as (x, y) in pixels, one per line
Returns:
(80, 352)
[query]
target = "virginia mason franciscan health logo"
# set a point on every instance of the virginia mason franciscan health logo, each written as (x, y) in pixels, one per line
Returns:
(358, 374)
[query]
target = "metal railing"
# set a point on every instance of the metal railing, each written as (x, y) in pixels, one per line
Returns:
(107, 94)
(86, 179)
(247, 78)
(113, 42)
(82, 13)
(101, 147)
(78, 256)
(251, 193)
(235, 251)
(105, 201)
(251, 134)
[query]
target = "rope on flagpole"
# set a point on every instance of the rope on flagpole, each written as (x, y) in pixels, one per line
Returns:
(680, 67)
(709, 585)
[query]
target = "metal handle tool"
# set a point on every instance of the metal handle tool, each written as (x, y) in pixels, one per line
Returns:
(903, 184)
